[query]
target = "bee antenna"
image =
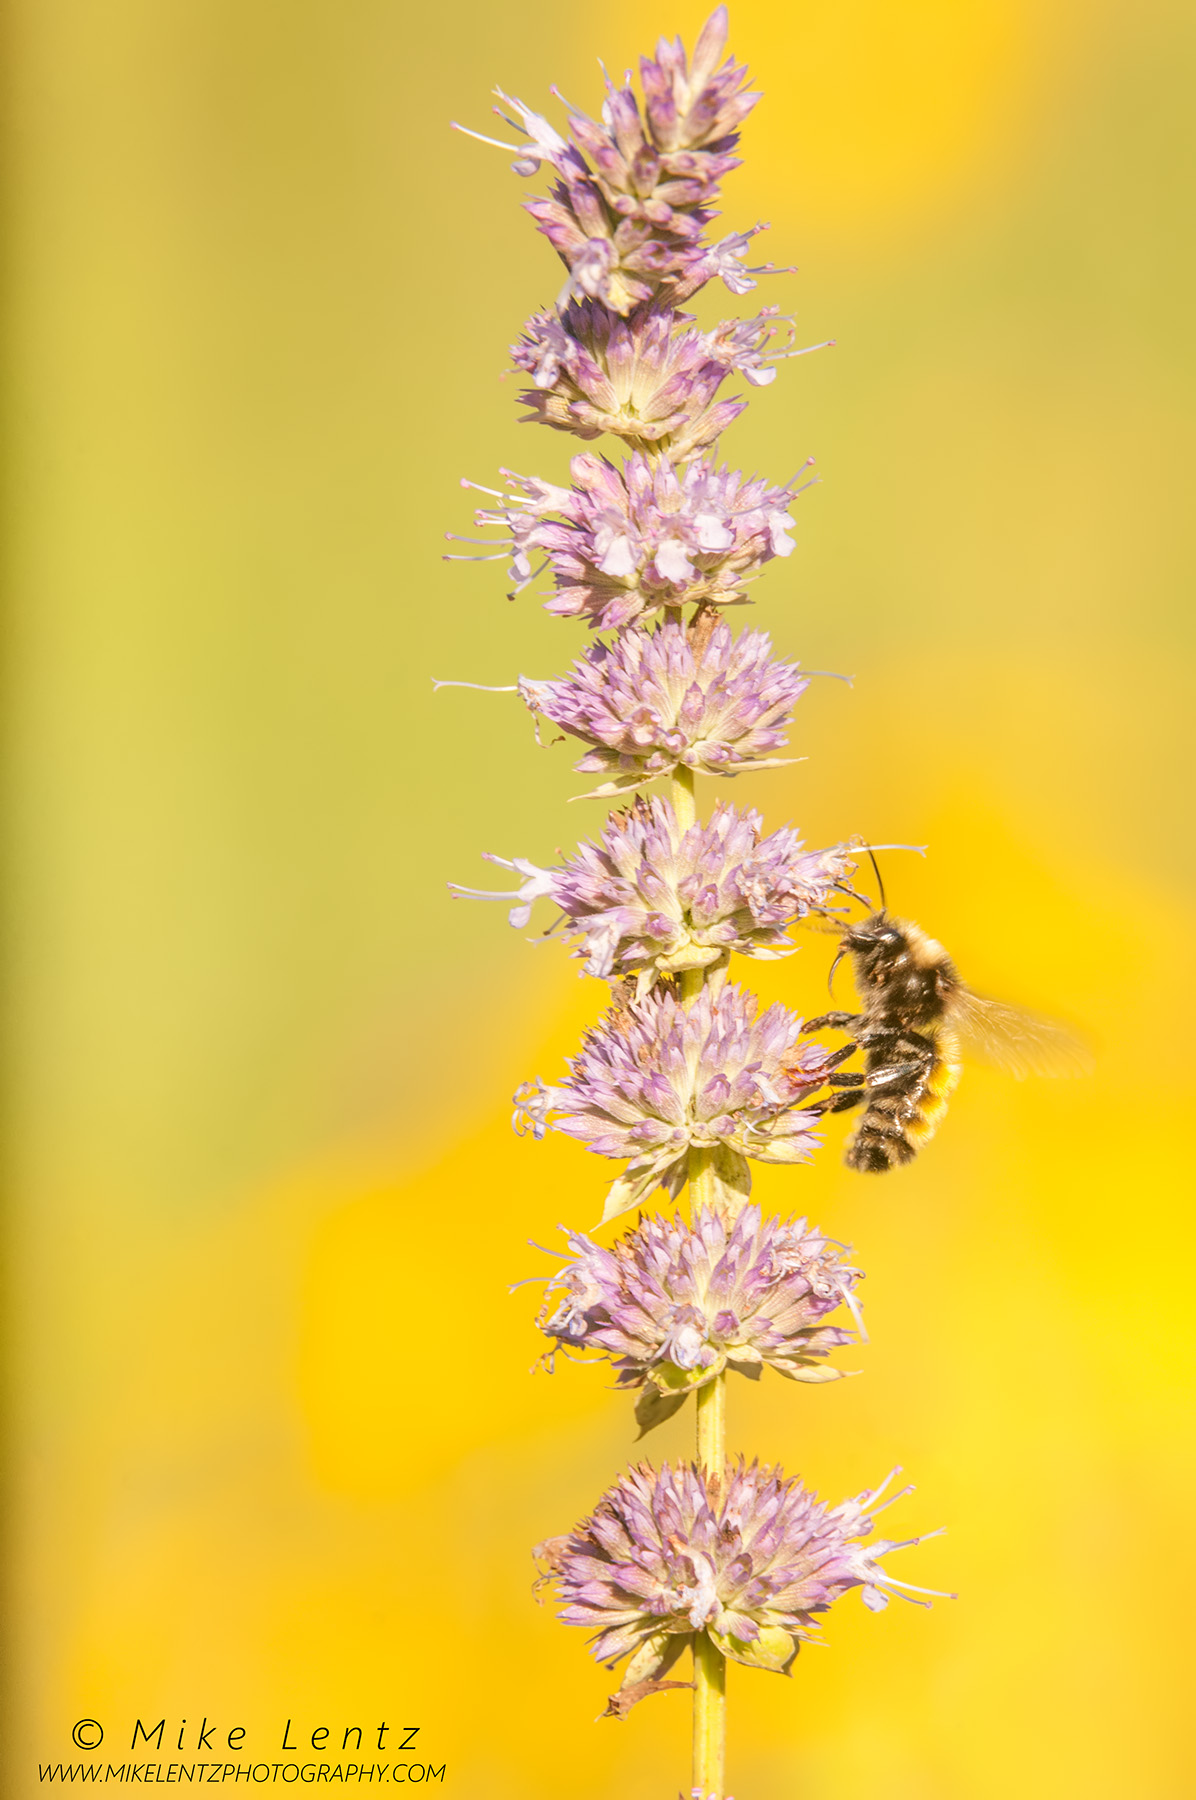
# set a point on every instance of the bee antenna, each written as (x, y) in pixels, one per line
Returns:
(841, 887)
(879, 883)
(830, 980)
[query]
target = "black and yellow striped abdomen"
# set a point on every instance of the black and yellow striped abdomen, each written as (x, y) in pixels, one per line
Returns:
(904, 1111)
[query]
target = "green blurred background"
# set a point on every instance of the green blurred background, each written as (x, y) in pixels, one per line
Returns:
(277, 1450)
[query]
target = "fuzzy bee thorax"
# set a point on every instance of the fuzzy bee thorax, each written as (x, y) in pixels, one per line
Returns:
(904, 977)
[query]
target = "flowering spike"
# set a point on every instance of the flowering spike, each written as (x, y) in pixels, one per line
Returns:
(686, 1080)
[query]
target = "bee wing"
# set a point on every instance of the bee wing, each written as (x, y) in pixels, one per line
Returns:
(1022, 1042)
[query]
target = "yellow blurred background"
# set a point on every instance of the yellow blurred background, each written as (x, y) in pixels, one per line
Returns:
(276, 1450)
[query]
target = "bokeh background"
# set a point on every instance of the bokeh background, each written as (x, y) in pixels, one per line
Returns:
(276, 1450)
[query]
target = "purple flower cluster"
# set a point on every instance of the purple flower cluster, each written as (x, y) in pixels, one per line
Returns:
(628, 541)
(651, 898)
(672, 1305)
(650, 379)
(628, 222)
(657, 1078)
(654, 701)
(749, 1557)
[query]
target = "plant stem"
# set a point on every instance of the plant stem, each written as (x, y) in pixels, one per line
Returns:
(712, 1424)
(710, 1719)
(701, 1179)
(681, 793)
(710, 1665)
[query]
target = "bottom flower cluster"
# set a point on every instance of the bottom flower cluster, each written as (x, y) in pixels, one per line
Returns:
(748, 1557)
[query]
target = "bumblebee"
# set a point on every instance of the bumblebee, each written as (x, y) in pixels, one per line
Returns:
(918, 1021)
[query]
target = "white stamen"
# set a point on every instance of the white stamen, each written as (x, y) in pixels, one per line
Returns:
(467, 893)
(498, 143)
(901, 1494)
(913, 1588)
(437, 684)
(866, 1498)
(568, 104)
(918, 849)
(780, 355)
(854, 1308)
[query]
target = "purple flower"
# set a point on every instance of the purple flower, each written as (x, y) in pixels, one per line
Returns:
(694, 105)
(621, 262)
(746, 1556)
(651, 899)
(628, 541)
(661, 166)
(725, 261)
(656, 1077)
(672, 1305)
(652, 700)
(628, 222)
(525, 518)
(632, 540)
(650, 379)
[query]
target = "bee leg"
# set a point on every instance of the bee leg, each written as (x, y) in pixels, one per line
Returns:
(896, 1077)
(910, 1044)
(841, 1056)
(909, 1041)
(842, 1102)
(833, 1021)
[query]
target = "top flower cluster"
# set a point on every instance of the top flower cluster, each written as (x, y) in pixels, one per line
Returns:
(634, 190)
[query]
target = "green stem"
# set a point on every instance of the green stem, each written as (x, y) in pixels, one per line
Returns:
(710, 1718)
(681, 793)
(701, 1178)
(712, 1424)
(710, 1665)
